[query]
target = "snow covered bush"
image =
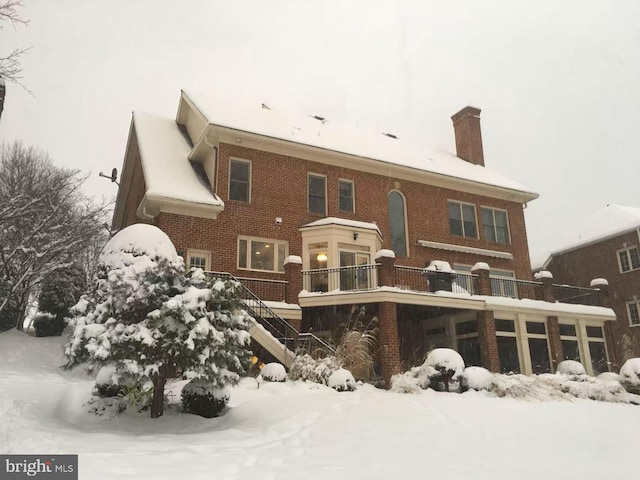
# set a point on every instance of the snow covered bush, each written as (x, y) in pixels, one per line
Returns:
(342, 381)
(476, 378)
(570, 368)
(274, 372)
(203, 399)
(48, 325)
(107, 384)
(58, 294)
(630, 376)
(305, 367)
(448, 366)
(406, 382)
(146, 318)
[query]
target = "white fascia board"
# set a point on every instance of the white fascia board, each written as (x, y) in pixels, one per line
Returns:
(460, 248)
(379, 167)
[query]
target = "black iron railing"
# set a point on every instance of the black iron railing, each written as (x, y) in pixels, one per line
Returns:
(270, 290)
(355, 278)
(422, 280)
(277, 326)
(510, 287)
(576, 295)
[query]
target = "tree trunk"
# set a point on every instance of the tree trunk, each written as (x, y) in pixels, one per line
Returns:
(157, 404)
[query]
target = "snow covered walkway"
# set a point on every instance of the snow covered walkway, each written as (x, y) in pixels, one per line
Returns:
(295, 430)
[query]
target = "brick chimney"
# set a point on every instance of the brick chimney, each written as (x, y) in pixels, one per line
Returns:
(466, 126)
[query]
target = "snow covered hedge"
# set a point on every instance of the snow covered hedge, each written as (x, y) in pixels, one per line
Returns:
(306, 368)
(630, 376)
(274, 372)
(144, 317)
(202, 399)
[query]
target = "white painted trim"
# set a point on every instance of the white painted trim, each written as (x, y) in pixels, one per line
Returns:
(506, 212)
(240, 160)
(353, 195)
(326, 186)
(206, 254)
(460, 248)
(379, 167)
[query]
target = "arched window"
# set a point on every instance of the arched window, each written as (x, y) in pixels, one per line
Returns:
(398, 223)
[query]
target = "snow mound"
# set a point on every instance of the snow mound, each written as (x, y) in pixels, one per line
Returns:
(445, 360)
(107, 376)
(439, 266)
(608, 377)
(274, 372)
(630, 375)
(570, 367)
(476, 378)
(543, 274)
(138, 241)
(342, 380)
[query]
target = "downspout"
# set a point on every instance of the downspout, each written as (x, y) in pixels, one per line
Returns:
(141, 211)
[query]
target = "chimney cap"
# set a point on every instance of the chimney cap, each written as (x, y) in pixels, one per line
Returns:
(465, 112)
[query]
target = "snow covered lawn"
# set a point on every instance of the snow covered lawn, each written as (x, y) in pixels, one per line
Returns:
(295, 430)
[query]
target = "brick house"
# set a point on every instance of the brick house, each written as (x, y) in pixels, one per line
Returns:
(315, 217)
(607, 242)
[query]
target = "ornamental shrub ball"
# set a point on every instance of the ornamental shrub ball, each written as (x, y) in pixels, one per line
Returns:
(630, 376)
(274, 372)
(202, 399)
(571, 368)
(448, 366)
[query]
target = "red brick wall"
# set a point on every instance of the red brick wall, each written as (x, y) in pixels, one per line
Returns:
(581, 266)
(279, 189)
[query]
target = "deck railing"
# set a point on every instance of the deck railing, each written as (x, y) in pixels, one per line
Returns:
(510, 287)
(266, 289)
(354, 278)
(576, 295)
(421, 280)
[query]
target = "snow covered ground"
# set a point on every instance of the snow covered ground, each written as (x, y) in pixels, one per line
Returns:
(295, 430)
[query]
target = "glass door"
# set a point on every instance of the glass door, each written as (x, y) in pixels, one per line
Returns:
(352, 274)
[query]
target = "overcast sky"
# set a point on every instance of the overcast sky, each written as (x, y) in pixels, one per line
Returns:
(558, 82)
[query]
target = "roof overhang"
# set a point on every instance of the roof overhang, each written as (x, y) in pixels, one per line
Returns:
(152, 205)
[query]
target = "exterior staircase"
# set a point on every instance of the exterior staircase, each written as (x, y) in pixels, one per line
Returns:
(272, 331)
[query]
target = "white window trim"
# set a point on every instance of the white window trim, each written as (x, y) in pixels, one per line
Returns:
(353, 195)
(628, 305)
(627, 249)
(506, 212)
(265, 240)
(475, 215)
(406, 218)
(199, 253)
(241, 160)
(326, 202)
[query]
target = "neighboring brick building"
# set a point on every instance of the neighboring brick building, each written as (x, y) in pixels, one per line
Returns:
(307, 211)
(608, 243)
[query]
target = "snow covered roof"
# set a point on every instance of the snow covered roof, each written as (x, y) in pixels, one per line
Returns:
(604, 223)
(343, 222)
(334, 135)
(164, 153)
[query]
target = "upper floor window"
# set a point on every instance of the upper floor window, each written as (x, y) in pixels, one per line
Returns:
(345, 191)
(462, 219)
(261, 254)
(317, 194)
(239, 180)
(633, 312)
(629, 259)
(198, 259)
(495, 225)
(398, 223)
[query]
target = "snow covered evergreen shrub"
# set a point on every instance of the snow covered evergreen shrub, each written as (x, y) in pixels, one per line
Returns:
(476, 378)
(202, 399)
(61, 291)
(48, 325)
(305, 367)
(630, 376)
(342, 381)
(274, 372)
(146, 318)
(570, 368)
(608, 377)
(448, 366)
(406, 382)
(107, 384)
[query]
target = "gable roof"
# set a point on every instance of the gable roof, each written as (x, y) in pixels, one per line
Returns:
(164, 153)
(343, 222)
(604, 223)
(336, 136)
